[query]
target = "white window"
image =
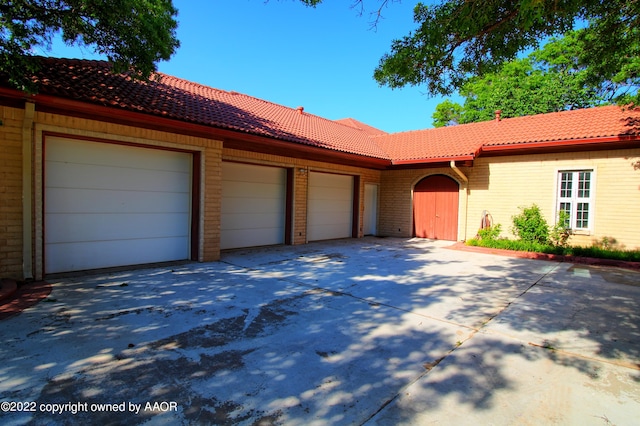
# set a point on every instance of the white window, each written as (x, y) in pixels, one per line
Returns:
(575, 190)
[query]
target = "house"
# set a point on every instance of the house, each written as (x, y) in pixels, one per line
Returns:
(103, 170)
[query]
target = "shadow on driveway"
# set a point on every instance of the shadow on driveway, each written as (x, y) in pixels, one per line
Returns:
(384, 331)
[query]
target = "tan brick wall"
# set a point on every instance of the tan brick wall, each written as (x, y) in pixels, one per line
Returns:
(502, 184)
(11, 192)
(210, 225)
(300, 193)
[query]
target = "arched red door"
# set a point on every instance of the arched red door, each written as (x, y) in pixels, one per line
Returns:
(435, 208)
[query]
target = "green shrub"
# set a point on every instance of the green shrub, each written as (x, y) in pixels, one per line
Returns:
(490, 233)
(530, 225)
(561, 232)
(595, 252)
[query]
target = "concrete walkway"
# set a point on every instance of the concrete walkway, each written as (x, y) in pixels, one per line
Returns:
(371, 331)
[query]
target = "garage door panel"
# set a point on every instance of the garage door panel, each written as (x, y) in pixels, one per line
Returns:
(332, 219)
(251, 190)
(249, 237)
(105, 154)
(68, 200)
(339, 193)
(264, 205)
(327, 231)
(82, 255)
(330, 206)
(114, 205)
(238, 172)
(253, 205)
(251, 221)
(82, 227)
(71, 175)
(323, 206)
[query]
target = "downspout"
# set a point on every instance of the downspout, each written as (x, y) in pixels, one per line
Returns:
(27, 183)
(458, 171)
(462, 176)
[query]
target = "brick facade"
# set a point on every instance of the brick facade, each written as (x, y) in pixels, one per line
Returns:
(11, 229)
(501, 185)
(498, 185)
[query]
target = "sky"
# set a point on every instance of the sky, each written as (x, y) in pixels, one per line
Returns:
(284, 52)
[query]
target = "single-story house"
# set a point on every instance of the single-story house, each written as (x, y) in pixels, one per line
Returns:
(102, 170)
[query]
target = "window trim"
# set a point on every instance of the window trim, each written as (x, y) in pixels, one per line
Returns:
(574, 200)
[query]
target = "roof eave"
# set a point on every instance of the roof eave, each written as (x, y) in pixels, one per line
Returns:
(418, 161)
(559, 145)
(229, 137)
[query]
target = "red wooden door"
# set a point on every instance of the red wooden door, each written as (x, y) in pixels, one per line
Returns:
(435, 208)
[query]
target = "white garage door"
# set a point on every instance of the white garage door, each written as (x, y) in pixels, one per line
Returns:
(253, 205)
(113, 205)
(330, 211)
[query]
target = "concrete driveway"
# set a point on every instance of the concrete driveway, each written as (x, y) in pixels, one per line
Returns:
(371, 331)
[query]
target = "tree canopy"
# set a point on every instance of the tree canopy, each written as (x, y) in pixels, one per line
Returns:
(133, 34)
(455, 40)
(548, 80)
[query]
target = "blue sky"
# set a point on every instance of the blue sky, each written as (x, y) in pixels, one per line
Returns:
(282, 51)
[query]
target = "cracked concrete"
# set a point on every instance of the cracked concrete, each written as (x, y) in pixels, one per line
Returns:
(371, 331)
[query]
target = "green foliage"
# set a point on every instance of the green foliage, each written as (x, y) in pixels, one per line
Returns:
(517, 245)
(548, 80)
(602, 253)
(530, 226)
(454, 40)
(447, 113)
(490, 233)
(133, 34)
(561, 231)
(577, 251)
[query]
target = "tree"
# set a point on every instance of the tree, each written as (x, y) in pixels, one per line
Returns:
(548, 80)
(447, 113)
(133, 34)
(459, 39)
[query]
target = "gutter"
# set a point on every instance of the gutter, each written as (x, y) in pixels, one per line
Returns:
(442, 160)
(556, 144)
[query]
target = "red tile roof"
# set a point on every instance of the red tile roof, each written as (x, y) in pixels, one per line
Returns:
(174, 98)
(171, 97)
(468, 140)
(370, 130)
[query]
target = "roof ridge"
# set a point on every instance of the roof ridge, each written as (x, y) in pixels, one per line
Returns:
(234, 93)
(172, 77)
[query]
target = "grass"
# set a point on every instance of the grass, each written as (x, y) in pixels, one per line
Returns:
(594, 252)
